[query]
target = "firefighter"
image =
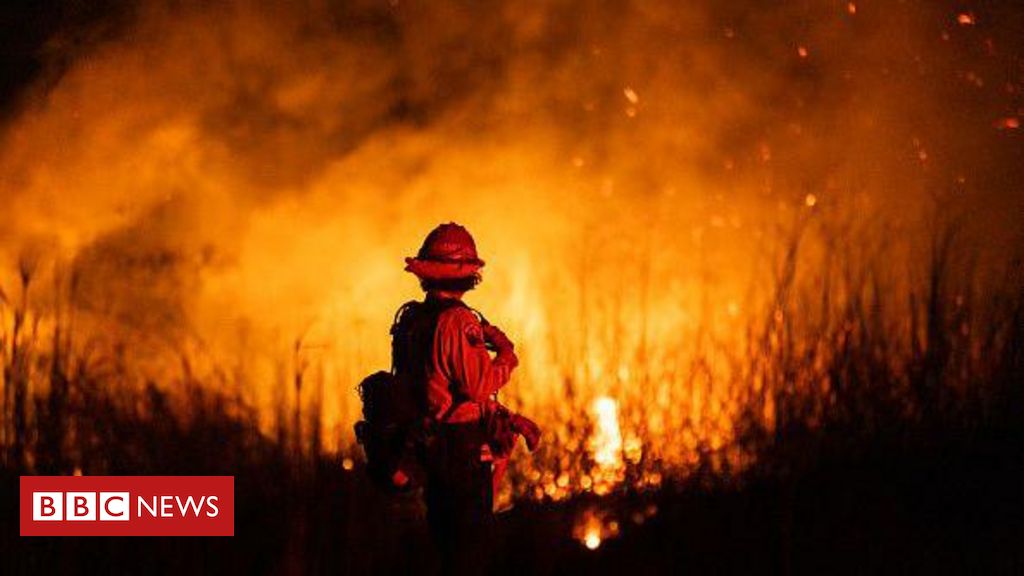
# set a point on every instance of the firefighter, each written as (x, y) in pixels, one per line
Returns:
(445, 347)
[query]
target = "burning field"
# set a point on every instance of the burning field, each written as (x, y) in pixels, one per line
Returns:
(761, 262)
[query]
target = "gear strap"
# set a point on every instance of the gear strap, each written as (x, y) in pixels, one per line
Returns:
(395, 333)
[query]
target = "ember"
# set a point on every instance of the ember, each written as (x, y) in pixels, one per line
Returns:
(594, 527)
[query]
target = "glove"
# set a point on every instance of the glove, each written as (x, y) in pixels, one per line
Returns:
(528, 429)
(502, 345)
(496, 338)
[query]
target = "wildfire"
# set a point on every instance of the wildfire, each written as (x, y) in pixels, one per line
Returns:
(631, 188)
(594, 527)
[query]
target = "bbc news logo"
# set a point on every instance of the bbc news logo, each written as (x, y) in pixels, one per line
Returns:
(127, 505)
(115, 506)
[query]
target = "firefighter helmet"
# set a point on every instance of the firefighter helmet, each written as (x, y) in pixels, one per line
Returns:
(448, 253)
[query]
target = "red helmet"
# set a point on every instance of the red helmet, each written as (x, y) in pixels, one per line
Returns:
(448, 253)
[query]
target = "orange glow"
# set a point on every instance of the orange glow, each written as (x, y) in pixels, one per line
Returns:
(660, 191)
(593, 527)
(1008, 123)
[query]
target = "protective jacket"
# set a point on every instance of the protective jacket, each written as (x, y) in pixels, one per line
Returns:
(444, 344)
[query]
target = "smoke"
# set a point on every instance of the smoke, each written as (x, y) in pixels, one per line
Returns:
(233, 176)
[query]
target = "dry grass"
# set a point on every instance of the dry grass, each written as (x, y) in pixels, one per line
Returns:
(843, 362)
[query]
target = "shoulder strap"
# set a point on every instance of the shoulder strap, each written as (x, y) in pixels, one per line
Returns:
(397, 347)
(479, 315)
(401, 312)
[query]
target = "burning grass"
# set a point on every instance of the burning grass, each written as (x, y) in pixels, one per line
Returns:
(702, 221)
(838, 360)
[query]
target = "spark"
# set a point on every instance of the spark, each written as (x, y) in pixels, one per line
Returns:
(802, 51)
(851, 8)
(631, 95)
(810, 200)
(965, 19)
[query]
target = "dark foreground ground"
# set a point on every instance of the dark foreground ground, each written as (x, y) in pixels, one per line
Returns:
(956, 506)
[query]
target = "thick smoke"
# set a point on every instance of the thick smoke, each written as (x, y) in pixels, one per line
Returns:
(231, 177)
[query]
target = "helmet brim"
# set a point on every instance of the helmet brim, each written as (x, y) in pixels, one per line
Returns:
(443, 269)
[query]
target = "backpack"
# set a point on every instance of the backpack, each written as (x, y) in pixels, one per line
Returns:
(396, 431)
(384, 432)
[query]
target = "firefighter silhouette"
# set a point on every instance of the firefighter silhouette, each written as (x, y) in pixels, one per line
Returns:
(456, 361)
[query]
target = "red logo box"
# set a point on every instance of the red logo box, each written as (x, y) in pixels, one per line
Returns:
(127, 505)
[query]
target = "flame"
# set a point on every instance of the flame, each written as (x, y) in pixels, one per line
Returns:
(234, 188)
(606, 443)
(593, 527)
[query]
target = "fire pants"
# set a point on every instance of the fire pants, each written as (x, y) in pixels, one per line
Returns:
(459, 499)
